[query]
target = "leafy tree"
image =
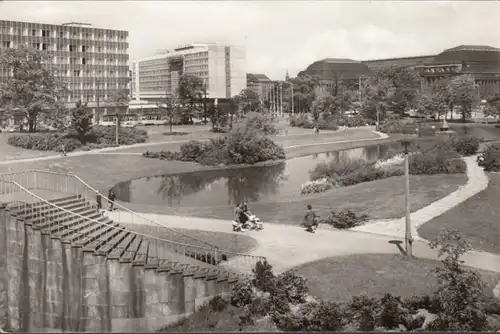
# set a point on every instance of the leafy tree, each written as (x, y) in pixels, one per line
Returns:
(248, 101)
(171, 108)
(218, 115)
(377, 98)
(444, 89)
(465, 94)
(119, 99)
(432, 103)
(304, 93)
(32, 90)
(492, 107)
(325, 105)
(191, 92)
(461, 290)
(81, 121)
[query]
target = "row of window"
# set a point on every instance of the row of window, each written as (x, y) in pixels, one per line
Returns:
(68, 48)
(63, 34)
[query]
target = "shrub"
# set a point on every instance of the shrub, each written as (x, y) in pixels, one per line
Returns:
(44, 142)
(344, 219)
(327, 124)
(490, 158)
(163, 155)
(363, 312)
(218, 303)
(294, 286)
(193, 150)
(415, 303)
(316, 186)
(107, 135)
(301, 121)
(264, 278)
(333, 168)
(367, 173)
(436, 163)
(465, 145)
(354, 121)
(242, 294)
(391, 312)
(399, 126)
(256, 122)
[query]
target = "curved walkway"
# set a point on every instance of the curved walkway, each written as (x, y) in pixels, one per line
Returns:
(286, 246)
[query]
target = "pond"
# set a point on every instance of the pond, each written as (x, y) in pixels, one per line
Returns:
(231, 186)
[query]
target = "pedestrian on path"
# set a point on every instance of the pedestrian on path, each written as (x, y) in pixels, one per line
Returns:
(63, 150)
(310, 219)
(111, 197)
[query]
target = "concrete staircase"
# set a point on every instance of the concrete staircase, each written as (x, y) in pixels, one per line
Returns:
(69, 267)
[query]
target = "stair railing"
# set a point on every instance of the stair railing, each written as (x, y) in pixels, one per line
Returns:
(68, 183)
(46, 215)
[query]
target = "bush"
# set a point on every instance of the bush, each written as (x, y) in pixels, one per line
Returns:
(294, 286)
(44, 142)
(363, 311)
(218, 304)
(264, 278)
(317, 186)
(107, 135)
(465, 145)
(367, 173)
(399, 126)
(327, 124)
(301, 121)
(332, 168)
(344, 219)
(193, 150)
(432, 163)
(354, 121)
(256, 122)
(490, 158)
(242, 294)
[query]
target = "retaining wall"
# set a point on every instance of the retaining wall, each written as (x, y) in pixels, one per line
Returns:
(47, 285)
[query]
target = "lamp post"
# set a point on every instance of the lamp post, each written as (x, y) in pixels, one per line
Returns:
(96, 78)
(205, 101)
(408, 235)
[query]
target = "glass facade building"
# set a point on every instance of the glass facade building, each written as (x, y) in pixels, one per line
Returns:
(93, 62)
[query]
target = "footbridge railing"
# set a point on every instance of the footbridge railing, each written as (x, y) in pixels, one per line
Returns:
(29, 204)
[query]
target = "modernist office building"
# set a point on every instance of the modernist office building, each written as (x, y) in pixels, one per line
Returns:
(221, 67)
(93, 61)
(483, 62)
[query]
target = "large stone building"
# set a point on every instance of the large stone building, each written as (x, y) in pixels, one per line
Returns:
(261, 85)
(221, 67)
(483, 62)
(93, 61)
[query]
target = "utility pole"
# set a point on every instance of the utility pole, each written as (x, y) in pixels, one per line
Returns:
(205, 101)
(408, 236)
(117, 137)
(281, 99)
(293, 112)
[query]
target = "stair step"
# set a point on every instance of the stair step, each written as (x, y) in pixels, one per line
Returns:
(167, 266)
(76, 225)
(80, 236)
(55, 212)
(129, 254)
(71, 223)
(152, 260)
(140, 256)
(111, 244)
(42, 206)
(121, 248)
(101, 240)
(39, 204)
(52, 221)
(98, 230)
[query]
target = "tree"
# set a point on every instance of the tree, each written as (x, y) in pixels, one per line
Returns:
(119, 99)
(465, 94)
(218, 115)
(431, 103)
(444, 89)
(461, 290)
(81, 121)
(325, 105)
(32, 90)
(248, 101)
(492, 107)
(191, 92)
(304, 93)
(171, 108)
(377, 98)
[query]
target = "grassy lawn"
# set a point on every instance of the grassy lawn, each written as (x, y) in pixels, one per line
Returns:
(476, 218)
(379, 199)
(238, 243)
(340, 278)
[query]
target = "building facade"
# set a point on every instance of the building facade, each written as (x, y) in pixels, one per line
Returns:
(482, 62)
(261, 85)
(93, 62)
(222, 68)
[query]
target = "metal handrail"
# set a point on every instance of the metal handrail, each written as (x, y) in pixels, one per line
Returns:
(125, 208)
(211, 247)
(259, 258)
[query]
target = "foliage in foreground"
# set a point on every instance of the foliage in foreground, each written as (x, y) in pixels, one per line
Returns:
(245, 144)
(344, 219)
(490, 158)
(272, 303)
(98, 137)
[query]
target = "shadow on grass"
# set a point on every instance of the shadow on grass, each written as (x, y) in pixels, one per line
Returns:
(175, 133)
(398, 244)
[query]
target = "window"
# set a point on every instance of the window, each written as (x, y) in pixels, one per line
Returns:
(45, 33)
(45, 46)
(72, 61)
(84, 48)
(72, 48)
(36, 46)
(6, 44)
(84, 61)
(33, 32)
(61, 34)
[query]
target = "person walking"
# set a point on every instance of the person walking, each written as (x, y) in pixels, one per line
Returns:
(310, 219)
(111, 197)
(99, 200)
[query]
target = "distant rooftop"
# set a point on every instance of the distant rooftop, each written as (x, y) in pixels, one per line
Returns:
(258, 77)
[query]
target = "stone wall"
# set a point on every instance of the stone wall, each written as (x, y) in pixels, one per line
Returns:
(47, 285)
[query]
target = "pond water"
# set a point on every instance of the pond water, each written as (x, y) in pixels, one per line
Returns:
(227, 187)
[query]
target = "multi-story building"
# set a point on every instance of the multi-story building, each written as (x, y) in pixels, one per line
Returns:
(482, 62)
(260, 84)
(92, 61)
(222, 68)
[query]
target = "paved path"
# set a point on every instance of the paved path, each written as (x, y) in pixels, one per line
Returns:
(477, 182)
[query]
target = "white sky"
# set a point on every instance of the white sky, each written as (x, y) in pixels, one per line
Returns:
(282, 35)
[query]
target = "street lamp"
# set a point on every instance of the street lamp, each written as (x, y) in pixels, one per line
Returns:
(408, 235)
(96, 78)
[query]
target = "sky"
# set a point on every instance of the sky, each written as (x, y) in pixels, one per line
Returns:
(281, 36)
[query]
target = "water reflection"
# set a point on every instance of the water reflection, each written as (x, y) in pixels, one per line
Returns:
(228, 187)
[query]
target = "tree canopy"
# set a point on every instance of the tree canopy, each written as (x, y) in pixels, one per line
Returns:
(248, 101)
(32, 89)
